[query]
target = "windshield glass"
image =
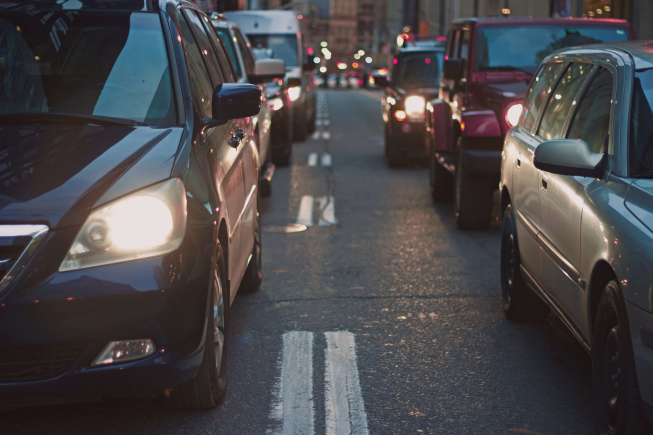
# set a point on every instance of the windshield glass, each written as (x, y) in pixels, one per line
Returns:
(641, 124)
(228, 42)
(419, 70)
(285, 46)
(498, 48)
(112, 65)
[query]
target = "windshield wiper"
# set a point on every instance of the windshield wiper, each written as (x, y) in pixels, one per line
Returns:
(66, 118)
(507, 68)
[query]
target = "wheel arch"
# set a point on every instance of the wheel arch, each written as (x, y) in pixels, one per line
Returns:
(602, 273)
(505, 200)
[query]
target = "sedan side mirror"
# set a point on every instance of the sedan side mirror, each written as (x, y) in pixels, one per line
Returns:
(568, 157)
(235, 101)
(381, 81)
(452, 69)
(267, 70)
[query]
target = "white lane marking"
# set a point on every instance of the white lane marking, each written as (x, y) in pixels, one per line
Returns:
(326, 135)
(345, 409)
(294, 409)
(322, 114)
(316, 135)
(326, 122)
(319, 122)
(312, 159)
(327, 206)
(305, 214)
(326, 159)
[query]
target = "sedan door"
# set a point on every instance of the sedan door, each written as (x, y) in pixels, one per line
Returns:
(562, 198)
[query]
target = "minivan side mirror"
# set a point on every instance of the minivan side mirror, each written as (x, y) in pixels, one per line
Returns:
(568, 157)
(267, 70)
(381, 80)
(235, 101)
(452, 69)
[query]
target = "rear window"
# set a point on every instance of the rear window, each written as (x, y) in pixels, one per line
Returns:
(285, 46)
(420, 69)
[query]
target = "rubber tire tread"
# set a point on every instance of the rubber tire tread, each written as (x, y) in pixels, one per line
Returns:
(440, 181)
(253, 277)
(634, 422)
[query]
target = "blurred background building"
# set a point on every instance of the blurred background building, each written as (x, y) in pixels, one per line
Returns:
(350, 27)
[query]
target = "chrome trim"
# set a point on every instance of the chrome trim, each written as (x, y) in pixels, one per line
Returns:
(37, 232)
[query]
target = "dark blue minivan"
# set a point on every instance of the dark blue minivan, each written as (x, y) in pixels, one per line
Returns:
(129, 203)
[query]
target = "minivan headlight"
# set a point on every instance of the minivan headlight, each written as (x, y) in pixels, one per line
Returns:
(415, 107)
(147, 223)
(513, 114)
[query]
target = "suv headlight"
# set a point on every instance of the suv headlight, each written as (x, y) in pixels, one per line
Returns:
(415, 107)
(144, 224)
(294, 92)
(513, 114)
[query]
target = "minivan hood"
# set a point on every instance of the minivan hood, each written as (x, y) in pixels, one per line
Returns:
(56, 174)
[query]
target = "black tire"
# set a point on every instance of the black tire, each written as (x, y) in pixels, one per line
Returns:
(254, 274)
(311, 123)
(283, 156)
(395, 158)
(616, 391)
(207, 389)
(519, 302)
(473, 197)
(301, 125)
(440, 180)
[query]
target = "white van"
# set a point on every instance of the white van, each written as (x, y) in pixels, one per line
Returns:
(282, 32)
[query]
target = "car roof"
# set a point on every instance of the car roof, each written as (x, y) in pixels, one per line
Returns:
(115, 5)
(420, 49)
(265, 22)
(640, 51)
(526, 20)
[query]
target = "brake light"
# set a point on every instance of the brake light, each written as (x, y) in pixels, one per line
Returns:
(400, 115)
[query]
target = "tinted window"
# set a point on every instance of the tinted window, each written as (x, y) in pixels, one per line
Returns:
(231, 49)
(561, 99)
(285, 46)
(641, 124)
(464, 50)
(206, 47)
(504, 48)
(113, 65)
(199, 77)
(591, 122)
(419, 70)
(538, 92)
(244, 46)
(223, 59)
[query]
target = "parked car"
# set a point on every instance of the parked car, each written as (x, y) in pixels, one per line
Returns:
(284, 33)
(281, 135)
(248, 69)
(415, 80)
(490, 63)
(130, 211)
(577, 206)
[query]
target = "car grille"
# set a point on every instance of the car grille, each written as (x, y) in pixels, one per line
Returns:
(26, 362)
(17, 245)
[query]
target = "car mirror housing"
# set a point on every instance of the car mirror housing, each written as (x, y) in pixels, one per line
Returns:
(235, 101)
(452, 69)
(267, 70)
(568, 157)
(381, 81)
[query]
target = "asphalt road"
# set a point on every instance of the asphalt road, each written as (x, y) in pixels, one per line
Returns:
(381, 318)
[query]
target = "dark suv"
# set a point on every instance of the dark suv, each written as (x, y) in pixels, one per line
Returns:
(414, 80)
(488, 66)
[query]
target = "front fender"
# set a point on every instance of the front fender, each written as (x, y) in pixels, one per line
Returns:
(439, 126)
(479, 123)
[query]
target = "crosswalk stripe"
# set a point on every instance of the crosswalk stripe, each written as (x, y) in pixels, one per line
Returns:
(305, 214)
(312, 159)
(294, 408)
(345, 409)
(326, 160)
(326, 135)
(327, 206)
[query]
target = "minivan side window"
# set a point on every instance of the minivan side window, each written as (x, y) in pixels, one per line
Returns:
(207, 49)
(464, 51)
(591, 122)
(228, 67)
(245, 52)
(560, 101)
(538, 93)
(199, 77)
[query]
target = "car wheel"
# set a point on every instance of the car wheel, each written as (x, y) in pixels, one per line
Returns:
(282, 156)
(472, 198)
(395, 158)
(440, 180)
(519, 302)
(254, 274)
(616, 391)
(209, 386)
(301, 125)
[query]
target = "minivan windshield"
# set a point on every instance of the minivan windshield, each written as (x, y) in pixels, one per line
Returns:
(76, 65)
(285, 46)
(641, 124)
(419, 70)
(523, 47)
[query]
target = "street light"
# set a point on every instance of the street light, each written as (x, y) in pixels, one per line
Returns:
(316, 59)
(357, 56)
(368, 59)
(361, 52)
(324, 43)
(323, 69)
(342, 65)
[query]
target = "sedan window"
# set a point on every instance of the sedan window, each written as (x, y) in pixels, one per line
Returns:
(641, 124)
(538, 92)
(561, 99)
(228, 42)
(199, 77)
(591, 123)
(207, 49)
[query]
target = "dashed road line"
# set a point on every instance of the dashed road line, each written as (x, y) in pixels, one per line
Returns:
(345, 409)
(327, 206)
(326, 122)
(305, 213)
(326, 135)
(312, 159)
(316, 135)
(326, 160)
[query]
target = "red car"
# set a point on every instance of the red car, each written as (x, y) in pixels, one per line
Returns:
(489, 64)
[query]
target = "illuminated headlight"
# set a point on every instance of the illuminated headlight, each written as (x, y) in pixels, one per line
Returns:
(415, 107)
(144, 224)
(275, 104)
(294, 92)
(513, 114)
(123, 351)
